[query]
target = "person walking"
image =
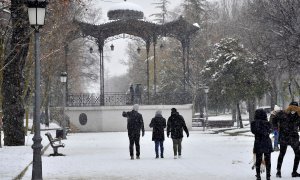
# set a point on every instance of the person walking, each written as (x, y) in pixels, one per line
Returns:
(175, 126)
(261, 128)
(275, 129)
(135, 125)
(158, 123)
(288, 123)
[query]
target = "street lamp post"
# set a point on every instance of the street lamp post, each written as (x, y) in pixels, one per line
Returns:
(36, 14)
(206, 90)
(63, 79)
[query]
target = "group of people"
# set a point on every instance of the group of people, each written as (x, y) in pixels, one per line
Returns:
(286, 124)
(175, 127)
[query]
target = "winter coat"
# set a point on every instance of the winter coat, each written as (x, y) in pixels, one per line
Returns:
(262, 129)
(135, 123)
(288, 125)
(158, 123)
(176, 125)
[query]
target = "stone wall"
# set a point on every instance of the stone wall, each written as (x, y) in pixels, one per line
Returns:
(109, 119)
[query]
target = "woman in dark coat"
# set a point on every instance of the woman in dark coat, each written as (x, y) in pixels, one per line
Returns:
(262, 128)
(158, 123)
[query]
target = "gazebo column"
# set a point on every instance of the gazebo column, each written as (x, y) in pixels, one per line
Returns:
(183, 43)
(100, 43)
(154, 64)
(188, 61)
(148, 72)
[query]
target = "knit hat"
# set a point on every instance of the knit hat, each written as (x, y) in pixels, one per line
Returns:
(135, 107)
(158, 112)
(294, 103)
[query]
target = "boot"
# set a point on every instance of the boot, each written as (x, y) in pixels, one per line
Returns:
(295, 174)
(156, 156)
(258, 177)
(161, 156)
(278, 174)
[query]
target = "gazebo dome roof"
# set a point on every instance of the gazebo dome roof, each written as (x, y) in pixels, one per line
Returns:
(125, 10)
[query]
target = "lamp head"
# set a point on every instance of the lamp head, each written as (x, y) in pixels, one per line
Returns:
(36, 12)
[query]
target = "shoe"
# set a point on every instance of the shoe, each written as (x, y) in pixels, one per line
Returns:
(162, 156)
(138, 157)
(258, 177)
(175, 157)
(278, 174)
(131, 157)
(156, 157)
(295, 174)
(179, 156)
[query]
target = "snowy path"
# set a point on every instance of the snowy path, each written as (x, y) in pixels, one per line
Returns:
(205, 157)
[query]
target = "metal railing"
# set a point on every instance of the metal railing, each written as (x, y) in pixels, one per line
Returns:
(122, 99)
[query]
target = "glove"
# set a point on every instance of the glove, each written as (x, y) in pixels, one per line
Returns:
(143, 133)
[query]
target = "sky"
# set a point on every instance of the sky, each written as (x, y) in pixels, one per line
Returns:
(105, 156)
(114, 66)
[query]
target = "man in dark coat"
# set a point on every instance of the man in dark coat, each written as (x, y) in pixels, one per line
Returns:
(175, 126)
(135, 125)
(262, 128)
(158, 123)
(288, 123)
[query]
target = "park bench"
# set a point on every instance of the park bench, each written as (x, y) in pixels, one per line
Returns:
(220, 123)
(197, 122)
(54, 144)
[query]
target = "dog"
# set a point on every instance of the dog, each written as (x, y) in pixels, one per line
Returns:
(262, 165)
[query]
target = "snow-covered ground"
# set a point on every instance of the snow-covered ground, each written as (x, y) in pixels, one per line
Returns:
(105, 156)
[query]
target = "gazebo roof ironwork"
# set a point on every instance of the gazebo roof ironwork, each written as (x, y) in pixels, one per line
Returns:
(179, 29)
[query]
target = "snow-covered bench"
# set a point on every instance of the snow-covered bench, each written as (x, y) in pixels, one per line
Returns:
(54, 144)
(220, 123)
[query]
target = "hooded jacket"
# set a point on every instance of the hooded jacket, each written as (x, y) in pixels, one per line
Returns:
(158, 123)
(176, 125)
(261, 128)
(288, 125)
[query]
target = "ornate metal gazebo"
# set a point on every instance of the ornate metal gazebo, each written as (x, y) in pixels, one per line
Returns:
(127, 19)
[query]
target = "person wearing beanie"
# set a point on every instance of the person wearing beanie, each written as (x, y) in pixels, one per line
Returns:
(288, 123)
(175, 126)
(135, 125)
(275, 130)
(262, 128)
(158, 123)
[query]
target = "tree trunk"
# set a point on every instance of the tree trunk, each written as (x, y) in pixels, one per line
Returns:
(13, 80)
(239, 115)
(251, 109)
(233, 112)
(274, 92)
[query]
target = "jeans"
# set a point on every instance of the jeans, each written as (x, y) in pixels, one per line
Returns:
(267, 158)
(177, 146)
(283, 148)
(134, 140)
(161, 145)
(276, 134)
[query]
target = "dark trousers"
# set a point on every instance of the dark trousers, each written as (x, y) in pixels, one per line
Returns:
(267, 158)
(161, 145)
(177, 146)
(283, 148)
(134, 140)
